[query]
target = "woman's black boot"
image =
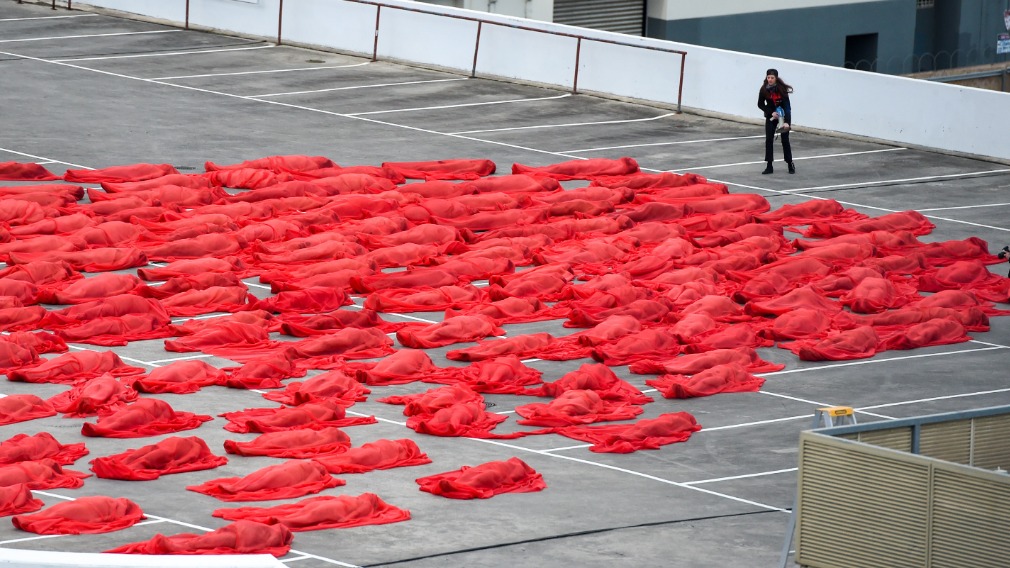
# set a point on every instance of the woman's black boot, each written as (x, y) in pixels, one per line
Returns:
(792, 168)
(769, 169)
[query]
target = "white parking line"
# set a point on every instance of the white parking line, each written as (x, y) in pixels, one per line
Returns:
(358, 87)
(875, 361)
(87, 36)
(47, 18)
(745, 476)
(963, 207)
(460, 105)
(936, 398)
(819, 157)
(902, 180)
(600, 148)
(166, 54)
(806, 401)
(48, 160)
(251, 72)
(563, 125)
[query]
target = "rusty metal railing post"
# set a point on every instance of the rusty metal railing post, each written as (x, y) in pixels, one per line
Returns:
(280, 19)
(375, 45)
(578, 53)
(680, 85)
(187, 14)
(476, 48)
(54, 4)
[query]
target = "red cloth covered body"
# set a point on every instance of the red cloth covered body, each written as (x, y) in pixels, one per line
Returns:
(171, 455)
(937, 331)
(501, 375)
(305, 301)
(13, 355)
(522, 345)
(132, 172)
(858, 343)
(293, 478)
(575, 406)
(22, 447)
(460, 329)
(581, 169)
(84, 515)
(595, 377)
(146, 417)
(101, 395)
(485, 480)
(240, 537)
(192, 267)
(313, 415)
(324, 512)
(443, 169)
(403, 300)
(93, 288)
(21, 407)
(302, 443)
(334, 385)
(17, 499)
(467, 419)
(698, 362)
(402, 367)
(380, 454)
(731, 377)
(179, 377)
(433, 400)
(72, 367)
(41, 474)
(16, 171)
(287, 163)
(645, 434)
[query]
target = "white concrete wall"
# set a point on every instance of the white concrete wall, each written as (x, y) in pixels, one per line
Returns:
(690, 9)
(906, 111)
(172, 10)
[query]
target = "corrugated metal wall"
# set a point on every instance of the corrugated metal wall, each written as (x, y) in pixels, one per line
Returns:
(622, 16)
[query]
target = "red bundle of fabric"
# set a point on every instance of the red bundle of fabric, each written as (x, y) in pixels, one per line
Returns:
(300, 444)
(485, 480)
(220, 335)
(240, 537)
(261, 374)
(325, 512)
(335, 385)
(380, 454)
(213, 299)
(21, 407)
(84, 515)
(402, 367)
(697, 362)
(575, 406)
(102, 395)
(937, 331)
(17, 171)
(288, 163)
(859, 343)
(293, 478)
(247, 178)
(595, 377)
(13, 355)
(72, 367)
(468, 419)
(645, 434)
(97, 287)
(90, 260)
(313, 415)
(581, 169)
(443, 169)
(146, 417)
(404, 300)
(171, 455)
(502, 375)
(192, 267)
(523, 345)
(41, 474)
(306, 301)
(179, 377)
(731, 377)
(22, 447)
(17, 499)
(433, 400)
(460, 329)
(133, 172)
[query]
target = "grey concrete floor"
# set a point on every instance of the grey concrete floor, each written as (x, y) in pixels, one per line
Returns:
(720, 499)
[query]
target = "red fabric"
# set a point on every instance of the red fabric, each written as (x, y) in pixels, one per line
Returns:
(94, 288)
(240, 537)
(146, 417)
(312, 415)
(261, 374)
(213, 299)
(501, 375)
(320, 324)
(698, 362)
(460, 329)
(433, 400)
(325, 512)
(191, 267)
(303, 443)
(581, 169)
(731, 377)
(912, 221)
(858, 343)
(41, 474)
(17, 499)
(595, 377)
(405, 300)
(402, 367)
(22, 447)
(380, 454)
(335, 386)
(171, 455)
(288, 163)
(220, 335)
(194, 181)
(179, 377)
(133, 172)
(575, 406)
(90, 260)
(84, 515)
(938, 331)
(306, 301)
(13, 355)
(647, 434)
(72, 367)
(25, 172)
(521, 345)
(293, 478)
(485, 480)
(467, 419)
(101, 395)
(443, 169)
(21, 407)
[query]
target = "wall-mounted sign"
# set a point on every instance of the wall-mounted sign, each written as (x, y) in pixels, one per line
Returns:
(1003, 43)
(1006, 19)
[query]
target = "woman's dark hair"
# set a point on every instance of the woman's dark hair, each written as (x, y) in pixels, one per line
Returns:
(781, 85)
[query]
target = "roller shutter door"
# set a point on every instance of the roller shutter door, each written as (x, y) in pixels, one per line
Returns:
(622, 16)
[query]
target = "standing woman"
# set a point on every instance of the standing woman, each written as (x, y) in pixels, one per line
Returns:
(773, 99)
